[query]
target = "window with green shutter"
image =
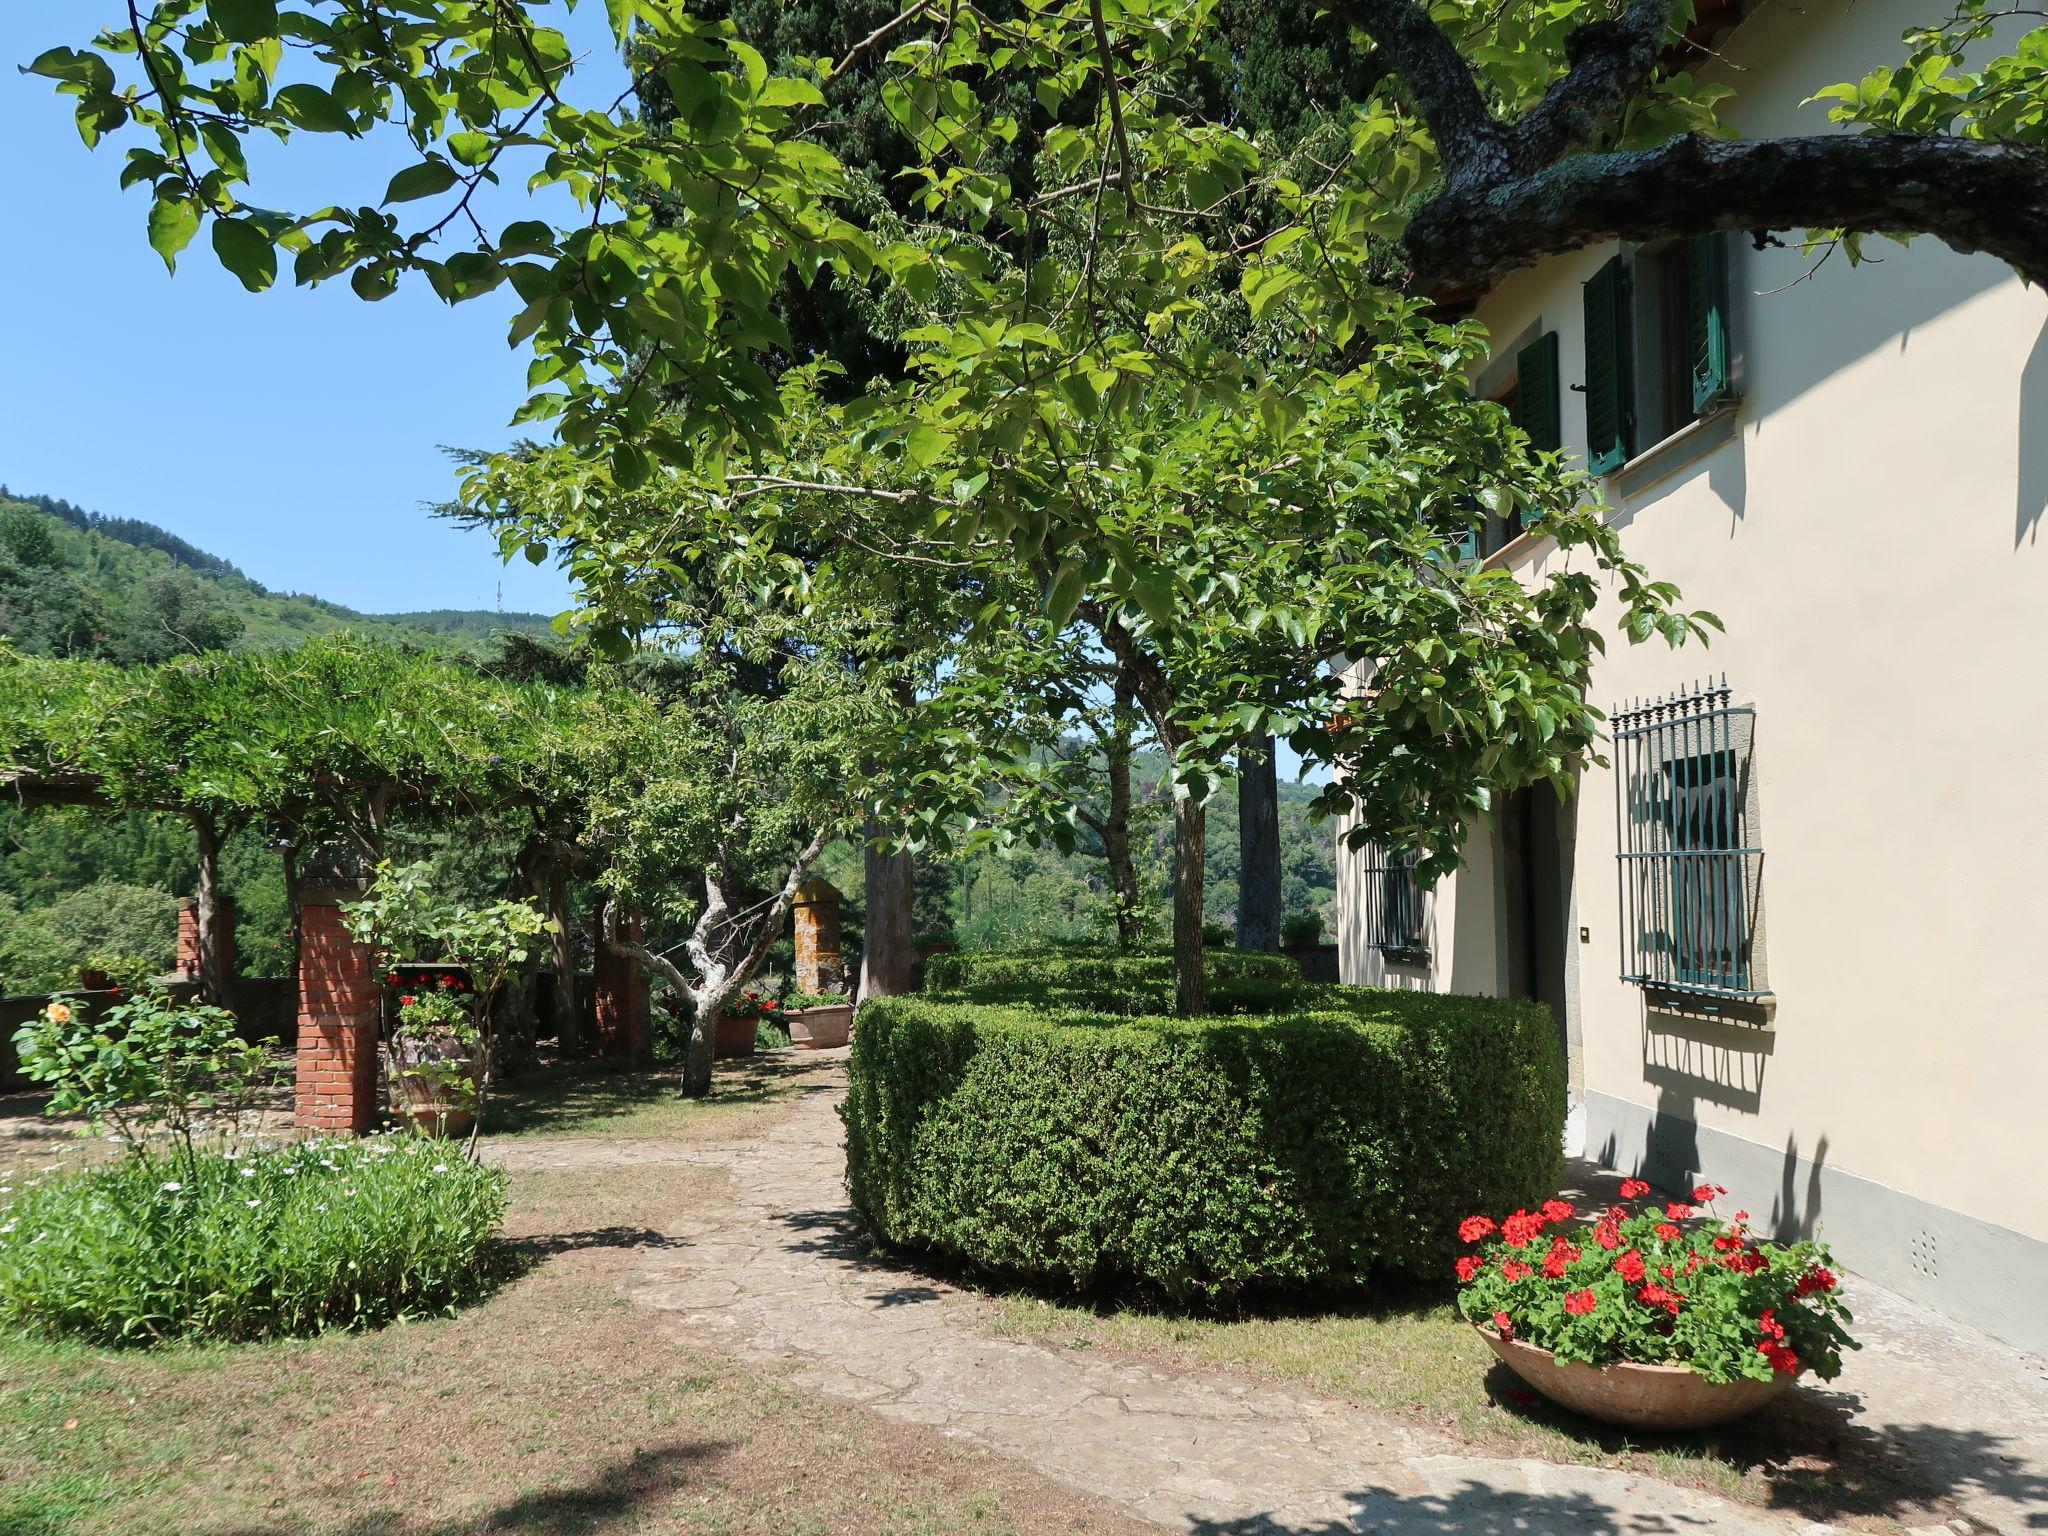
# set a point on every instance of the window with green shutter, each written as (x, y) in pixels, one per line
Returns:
(1536, 393)
(1610, 371)
(1707, 319)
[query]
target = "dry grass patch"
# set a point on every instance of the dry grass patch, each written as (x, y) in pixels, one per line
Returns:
(1418, 1360)
(555, 1407)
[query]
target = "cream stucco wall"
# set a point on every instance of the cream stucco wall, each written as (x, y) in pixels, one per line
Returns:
(1871, 535)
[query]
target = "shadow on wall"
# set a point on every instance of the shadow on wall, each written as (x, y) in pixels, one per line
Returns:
(1692, 1058)
(1794, 1215)
(2033, 431)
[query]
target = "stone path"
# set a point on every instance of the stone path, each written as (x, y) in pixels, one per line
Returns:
(778, 1271)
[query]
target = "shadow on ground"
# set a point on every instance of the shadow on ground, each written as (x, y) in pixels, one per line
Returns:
(576, 1096)
(1474, 1510)
(612, 1498)
(1818, 1462)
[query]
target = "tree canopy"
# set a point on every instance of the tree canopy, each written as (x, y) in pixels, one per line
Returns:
(1139, 367)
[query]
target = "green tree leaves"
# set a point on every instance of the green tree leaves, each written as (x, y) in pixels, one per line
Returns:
(173, 221)
(427, 179)
(246, 252)
(245, 21)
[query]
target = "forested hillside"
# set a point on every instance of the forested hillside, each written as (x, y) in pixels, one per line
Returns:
(76, 887)
(76, 583)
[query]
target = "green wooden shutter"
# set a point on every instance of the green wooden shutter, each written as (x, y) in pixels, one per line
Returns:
(1707, 319)
(1465, 544)
(1536, 393)
(1610, 375)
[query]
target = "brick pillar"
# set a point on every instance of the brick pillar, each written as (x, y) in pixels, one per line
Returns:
(819, 967)
(621, 998)
(188, 939)
(338, 1004)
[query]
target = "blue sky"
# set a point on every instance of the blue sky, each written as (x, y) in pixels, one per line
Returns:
(294, 432)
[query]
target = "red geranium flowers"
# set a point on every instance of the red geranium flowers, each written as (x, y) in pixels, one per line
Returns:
(1630, 1283)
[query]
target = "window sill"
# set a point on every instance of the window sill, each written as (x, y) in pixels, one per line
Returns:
(1403, 954)
(1683, 448)
(1755, 1008)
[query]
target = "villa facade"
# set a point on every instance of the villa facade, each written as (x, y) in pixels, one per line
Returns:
(1795, 931)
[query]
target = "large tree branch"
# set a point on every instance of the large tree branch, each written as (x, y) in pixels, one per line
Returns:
(1154, 689)
(1610, 64)
(1470, 141)
(1975, 196)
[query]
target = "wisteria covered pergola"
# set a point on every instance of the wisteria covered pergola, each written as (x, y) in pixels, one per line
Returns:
(326, 748)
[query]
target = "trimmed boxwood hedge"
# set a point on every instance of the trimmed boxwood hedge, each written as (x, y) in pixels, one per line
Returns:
(1092, 964)
(1318, 1148)
(1226, 996)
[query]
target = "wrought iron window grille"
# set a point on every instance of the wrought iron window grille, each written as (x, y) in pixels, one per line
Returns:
(1394, 917)
(1689, 851)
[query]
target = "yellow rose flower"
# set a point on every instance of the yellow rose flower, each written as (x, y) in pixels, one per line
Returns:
(58, 1013)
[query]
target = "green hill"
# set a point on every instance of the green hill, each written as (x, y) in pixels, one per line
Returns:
(76, 583)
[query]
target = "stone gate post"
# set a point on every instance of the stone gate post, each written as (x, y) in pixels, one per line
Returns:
(819, 965)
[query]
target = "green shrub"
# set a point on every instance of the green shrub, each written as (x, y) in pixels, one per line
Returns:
(1204, 1159)
(1093, 965)
(131, 930)
(1226, 996)
(1302, 930)
(317, 1235)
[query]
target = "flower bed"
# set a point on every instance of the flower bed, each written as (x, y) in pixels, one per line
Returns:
(1655, 1285)
(1316, 1148)
(315, 1235)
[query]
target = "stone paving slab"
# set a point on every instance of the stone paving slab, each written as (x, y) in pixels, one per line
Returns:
(780, 1273)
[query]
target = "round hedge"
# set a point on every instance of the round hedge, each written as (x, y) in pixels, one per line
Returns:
(1094, 965)
(1321, 1147)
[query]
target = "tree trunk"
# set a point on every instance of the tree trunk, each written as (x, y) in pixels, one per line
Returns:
(1190, 840)
(1148, 681)
(889, 949)
(1116, 831)
(568, 1034)
(213, 960)
(1258, 845)
(294, 910)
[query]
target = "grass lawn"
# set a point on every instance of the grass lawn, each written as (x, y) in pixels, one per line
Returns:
(555, 1406)
(1419, 1360)
(584, 1100)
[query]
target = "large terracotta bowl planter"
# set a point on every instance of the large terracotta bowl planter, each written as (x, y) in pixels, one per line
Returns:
(735, 1037)
(420, 1073)
(819, 1029)
(1637, 1396)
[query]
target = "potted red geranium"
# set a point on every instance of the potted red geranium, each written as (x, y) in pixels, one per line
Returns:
(1657, 1317)
(739, 1023)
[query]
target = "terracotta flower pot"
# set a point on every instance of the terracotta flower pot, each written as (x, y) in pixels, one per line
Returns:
(818, 1029)
(1638, 1396)
(735, 1036)
(435, 1082)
